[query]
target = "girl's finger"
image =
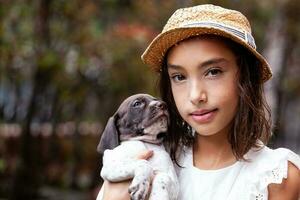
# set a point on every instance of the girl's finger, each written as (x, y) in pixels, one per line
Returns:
(145, 154)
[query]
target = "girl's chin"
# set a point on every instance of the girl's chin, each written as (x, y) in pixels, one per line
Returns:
(205, 133)
(210, 131)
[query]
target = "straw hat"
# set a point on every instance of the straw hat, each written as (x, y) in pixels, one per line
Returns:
(199, 20)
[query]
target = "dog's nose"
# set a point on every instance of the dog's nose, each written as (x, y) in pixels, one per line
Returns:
(158, 104)
(161, 105)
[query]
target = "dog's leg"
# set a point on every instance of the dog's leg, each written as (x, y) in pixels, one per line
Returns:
(162, 188)
(140, 171)
(140, 184)
(116, 170)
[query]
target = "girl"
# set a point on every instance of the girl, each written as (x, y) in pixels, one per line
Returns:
(211, 77)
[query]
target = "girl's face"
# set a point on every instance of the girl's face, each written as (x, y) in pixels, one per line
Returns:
(203, 75)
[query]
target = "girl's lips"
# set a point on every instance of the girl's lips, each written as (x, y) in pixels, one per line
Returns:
(203, 116)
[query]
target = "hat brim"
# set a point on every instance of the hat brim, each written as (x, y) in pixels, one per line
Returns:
(155, 53)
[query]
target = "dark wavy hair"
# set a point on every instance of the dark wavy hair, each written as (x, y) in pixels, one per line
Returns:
(252, 121)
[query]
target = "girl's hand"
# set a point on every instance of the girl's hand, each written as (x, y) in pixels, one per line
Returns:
(119, 191)
(116, 191)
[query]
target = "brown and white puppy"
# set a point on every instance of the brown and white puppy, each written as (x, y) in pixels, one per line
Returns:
(140, 123)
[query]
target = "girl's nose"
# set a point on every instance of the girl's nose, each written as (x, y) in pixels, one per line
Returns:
(197, 93)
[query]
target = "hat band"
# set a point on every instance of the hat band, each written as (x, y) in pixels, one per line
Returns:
(243, 35)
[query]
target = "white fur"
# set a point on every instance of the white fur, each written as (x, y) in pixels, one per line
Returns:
(121, 163)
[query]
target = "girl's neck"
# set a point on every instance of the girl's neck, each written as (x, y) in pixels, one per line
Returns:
(212, 152)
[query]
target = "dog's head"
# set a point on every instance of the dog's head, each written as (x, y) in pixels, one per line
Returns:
(139, 117)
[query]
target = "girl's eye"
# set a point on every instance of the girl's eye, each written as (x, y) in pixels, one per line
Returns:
(177, 77)
(213, 72)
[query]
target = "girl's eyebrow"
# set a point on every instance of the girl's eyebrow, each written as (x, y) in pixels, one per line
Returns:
(173, 66)
(212, 61)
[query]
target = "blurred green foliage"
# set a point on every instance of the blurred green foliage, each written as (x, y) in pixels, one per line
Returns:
(67, 63)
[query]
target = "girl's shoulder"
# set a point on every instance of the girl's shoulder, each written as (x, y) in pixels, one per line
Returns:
(265, 158)
(265, 166)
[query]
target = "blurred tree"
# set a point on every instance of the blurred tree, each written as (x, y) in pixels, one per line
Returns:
(68, 62)
(283, 45)
(26, 180)
(58, 58)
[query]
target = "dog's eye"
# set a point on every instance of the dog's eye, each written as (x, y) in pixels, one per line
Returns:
(137, 103)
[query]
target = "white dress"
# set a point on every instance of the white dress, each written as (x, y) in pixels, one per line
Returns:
(246, 180)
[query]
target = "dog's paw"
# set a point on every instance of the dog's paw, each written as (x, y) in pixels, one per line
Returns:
(140, 184)
(139, 190)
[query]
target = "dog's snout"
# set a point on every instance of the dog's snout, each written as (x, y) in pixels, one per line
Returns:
(158, 104)
(161, 105)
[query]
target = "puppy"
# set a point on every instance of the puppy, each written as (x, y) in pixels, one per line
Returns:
(140, 123)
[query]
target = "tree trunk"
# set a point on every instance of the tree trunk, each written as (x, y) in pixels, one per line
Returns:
(26, 180)
(279, 47)
(275, 47)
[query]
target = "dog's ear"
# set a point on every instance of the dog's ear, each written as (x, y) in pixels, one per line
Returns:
(109, 138)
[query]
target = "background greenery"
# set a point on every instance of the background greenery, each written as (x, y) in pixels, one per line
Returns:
(66, 65)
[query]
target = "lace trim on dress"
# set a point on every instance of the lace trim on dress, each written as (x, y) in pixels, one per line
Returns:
(274, 173)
